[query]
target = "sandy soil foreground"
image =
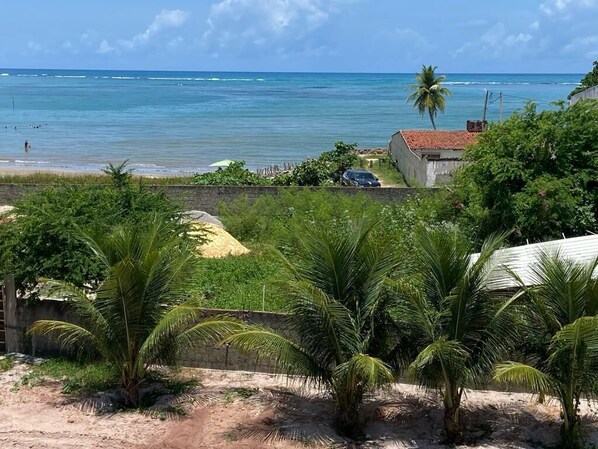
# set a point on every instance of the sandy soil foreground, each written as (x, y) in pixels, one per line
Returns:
(253, 411)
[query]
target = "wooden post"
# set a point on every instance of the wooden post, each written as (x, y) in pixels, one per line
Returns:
(10, 315)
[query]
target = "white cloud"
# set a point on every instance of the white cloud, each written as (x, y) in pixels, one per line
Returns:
(105, 48)
(497, 43)
(166, 19)
(535, 26)
(278, 25)
(587, 46)
(412, 38)
(34, 47)
(553, 7)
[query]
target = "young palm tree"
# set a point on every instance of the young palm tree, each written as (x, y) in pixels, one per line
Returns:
(141, 314)
(458, 325)
(337, 315)
(428, 92)
(562, 317)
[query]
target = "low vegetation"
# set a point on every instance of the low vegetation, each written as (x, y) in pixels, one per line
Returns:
(77, 377)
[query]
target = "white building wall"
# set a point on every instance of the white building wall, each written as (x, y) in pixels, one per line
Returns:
(420, 171)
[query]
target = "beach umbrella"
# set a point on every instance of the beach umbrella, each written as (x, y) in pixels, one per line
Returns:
(223, 163)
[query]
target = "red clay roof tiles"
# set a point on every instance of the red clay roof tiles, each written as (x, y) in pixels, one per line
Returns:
(438, 140)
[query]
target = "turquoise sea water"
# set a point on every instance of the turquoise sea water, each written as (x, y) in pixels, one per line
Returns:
(181, 122)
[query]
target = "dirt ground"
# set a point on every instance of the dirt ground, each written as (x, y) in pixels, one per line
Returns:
(253, 411)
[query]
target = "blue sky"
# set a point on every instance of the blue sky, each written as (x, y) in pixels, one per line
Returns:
(505, 36)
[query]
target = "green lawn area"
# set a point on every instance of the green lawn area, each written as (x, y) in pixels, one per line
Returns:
(384, 169)
(238, 282)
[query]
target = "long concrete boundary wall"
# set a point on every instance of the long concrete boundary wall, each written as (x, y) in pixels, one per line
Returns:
(203, 356)
(207, 198)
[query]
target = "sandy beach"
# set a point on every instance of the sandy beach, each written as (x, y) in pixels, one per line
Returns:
(244, 410)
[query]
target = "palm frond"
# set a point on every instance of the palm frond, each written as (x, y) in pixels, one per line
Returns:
(579, 336)
(210, 330)
(288, 356)
(522, 374)
(440, 362)
(325, 327)
(363, 371)
(69, 335)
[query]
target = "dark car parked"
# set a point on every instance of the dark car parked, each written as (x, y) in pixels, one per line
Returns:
(359, 178)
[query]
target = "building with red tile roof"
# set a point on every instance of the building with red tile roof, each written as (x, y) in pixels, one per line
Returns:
(429, 158)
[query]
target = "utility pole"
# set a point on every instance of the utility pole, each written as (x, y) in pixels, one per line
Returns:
(485, 107)
(500, 113)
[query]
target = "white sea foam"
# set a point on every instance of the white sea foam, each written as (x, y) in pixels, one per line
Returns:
(70, 76)
(4, 161)
(4, 74)
(123, 78)
(141, 165)
(18, 161)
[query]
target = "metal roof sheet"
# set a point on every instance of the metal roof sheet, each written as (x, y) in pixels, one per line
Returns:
(521, 259)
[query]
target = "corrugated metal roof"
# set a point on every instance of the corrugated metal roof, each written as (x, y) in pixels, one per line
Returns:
(521, 259)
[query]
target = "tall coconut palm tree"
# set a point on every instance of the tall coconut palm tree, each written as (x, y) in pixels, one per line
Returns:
(459, 327)
(141, 314)
(562, 318)
(338, 316)
(428, 92)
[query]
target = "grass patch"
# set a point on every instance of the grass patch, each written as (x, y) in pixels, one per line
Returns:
(6, 363)
(238, 282)
(76, 377)
(92, 178)
(243, 393)
(384, 169)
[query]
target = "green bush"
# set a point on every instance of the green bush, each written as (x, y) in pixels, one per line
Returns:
(279, 221)
(42, 241)
(234, 175)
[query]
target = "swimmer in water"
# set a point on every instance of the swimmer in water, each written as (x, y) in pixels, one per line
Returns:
(27, 146)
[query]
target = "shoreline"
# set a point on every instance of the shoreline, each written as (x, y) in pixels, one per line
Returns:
(145, 171)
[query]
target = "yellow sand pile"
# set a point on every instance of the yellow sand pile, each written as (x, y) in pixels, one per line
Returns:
(220, 243)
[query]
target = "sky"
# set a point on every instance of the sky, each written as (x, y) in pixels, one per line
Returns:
(389, 36)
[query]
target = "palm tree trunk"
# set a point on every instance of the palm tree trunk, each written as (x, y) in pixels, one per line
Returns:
(347, 414)
(432, 119)
(571, 427)
(453, 426)
(130, 385)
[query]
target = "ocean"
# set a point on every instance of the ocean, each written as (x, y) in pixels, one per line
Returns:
(181, 122)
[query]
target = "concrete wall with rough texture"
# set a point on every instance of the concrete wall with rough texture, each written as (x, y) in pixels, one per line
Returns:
(210, 356)
(207, 198)
(591, 93)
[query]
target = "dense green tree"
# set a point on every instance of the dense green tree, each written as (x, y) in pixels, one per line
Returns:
(140, 315)
(339, 317)
(561, 319)
(590, 80)
(459, 327)
(535, 173)
(428, 92)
